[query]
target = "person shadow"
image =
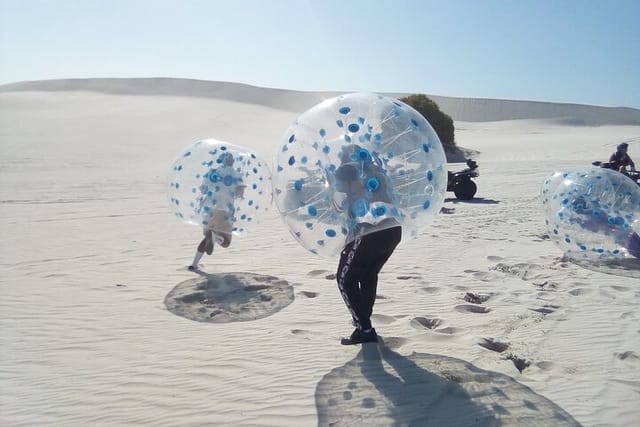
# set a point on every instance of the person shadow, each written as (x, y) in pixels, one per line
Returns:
(382, 387)
(229, 297)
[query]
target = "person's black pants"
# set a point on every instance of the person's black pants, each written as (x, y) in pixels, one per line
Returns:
(360, 263)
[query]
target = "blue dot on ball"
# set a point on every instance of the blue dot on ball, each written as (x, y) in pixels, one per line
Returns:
(426, 204)
(363, 155)
(354, 127)
(323, 133)
(373, 184)
(380, 211)
(330, 233)
(228, 180)
(298, 185)
(425, 147)
(430, 176)
(312, 211)
(292, 160)
(344, 110)
(292, 138)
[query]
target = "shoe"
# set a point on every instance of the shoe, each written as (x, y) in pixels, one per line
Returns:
(360, 337)
(192, 268)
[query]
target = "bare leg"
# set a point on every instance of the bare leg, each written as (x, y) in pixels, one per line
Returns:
(206, 245)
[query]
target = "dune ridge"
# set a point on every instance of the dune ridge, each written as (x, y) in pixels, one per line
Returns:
(460, 109)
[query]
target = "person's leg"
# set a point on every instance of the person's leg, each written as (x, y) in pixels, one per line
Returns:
(206, 245)
(207, 242)
(634, 245)
(348, 281)
(223, 227)
(381, 245)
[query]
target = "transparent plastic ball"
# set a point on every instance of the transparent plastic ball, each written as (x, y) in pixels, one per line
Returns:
(219, 186)
(356, 164)
(594, 214)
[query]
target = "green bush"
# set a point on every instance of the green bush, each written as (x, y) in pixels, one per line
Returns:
(441, 122)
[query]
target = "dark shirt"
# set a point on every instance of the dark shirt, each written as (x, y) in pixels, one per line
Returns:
(369, 197)
(620, 160)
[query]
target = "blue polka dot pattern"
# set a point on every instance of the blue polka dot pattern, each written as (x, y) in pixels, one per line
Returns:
(591, 214)
(220, 185)
(370, 162)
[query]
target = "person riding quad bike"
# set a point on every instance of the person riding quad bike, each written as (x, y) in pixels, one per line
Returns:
(620, 159)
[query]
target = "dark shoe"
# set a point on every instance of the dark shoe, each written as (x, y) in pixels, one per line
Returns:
(192, 268)
(360, 337)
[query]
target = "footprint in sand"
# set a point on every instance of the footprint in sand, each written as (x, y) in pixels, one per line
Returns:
(408, 277)
(483, 276)
(431, 290)
(494, 258)
(383, 319)
(520, 363)
(493, 345)
(308, 294)
(466, 308)
(619, 288)
(547, 285)
(314, 273)
(576, 292)
(544, 365)
(425, 322)
(476, 298)
(450, 330)
(546, 309)
(303, 333)
(627, 355)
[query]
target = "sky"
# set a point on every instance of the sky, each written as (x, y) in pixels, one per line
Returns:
(575, 51)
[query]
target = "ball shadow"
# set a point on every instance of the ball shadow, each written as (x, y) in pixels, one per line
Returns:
(229, 297)
(627, 267)
(427, 390)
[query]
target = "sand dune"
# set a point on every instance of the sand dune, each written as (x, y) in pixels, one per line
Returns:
(461, 109)
(482, 320)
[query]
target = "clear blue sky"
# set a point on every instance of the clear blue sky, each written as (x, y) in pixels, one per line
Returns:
(581, 51)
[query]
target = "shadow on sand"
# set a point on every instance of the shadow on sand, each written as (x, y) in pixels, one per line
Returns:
(229, 297)
(475, 200)
(628, 267)
(384, 388)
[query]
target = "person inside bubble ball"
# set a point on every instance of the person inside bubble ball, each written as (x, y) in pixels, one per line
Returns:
(620, 159)
(219, 189)
(591, 216)
(373, 234)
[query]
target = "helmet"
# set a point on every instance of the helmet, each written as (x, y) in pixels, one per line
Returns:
(622, 146)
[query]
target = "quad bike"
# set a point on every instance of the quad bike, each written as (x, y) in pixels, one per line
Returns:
(634, 175)
(461, 182)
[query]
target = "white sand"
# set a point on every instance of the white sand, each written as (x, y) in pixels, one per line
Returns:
(90, 251)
